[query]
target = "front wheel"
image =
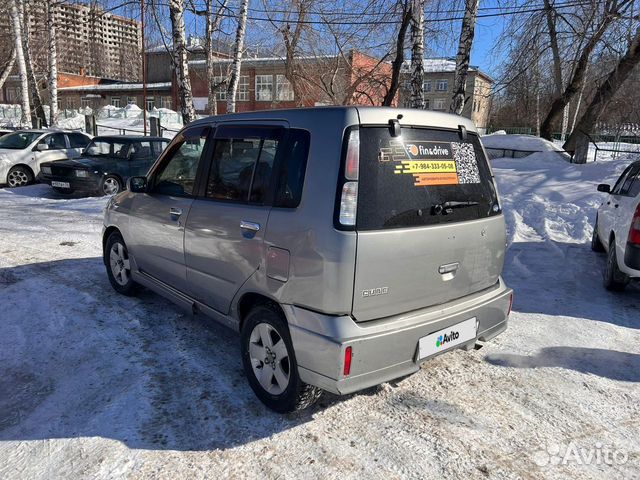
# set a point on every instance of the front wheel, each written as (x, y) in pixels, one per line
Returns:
(270, 364)
(614, 279)
(110, 185)
(116, 259)
(19, 176)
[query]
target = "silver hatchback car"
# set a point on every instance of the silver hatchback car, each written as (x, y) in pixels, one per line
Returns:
(347, 245)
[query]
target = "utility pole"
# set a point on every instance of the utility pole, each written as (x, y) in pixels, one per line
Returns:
(144, 71)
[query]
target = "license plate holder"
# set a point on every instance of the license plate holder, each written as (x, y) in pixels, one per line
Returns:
(447, 338)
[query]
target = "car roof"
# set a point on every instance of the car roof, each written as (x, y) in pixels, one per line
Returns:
(129, 138)
(365, 115)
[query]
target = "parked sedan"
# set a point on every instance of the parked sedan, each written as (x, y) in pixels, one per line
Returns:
(617, 229)
(105, 165)
(22, 152)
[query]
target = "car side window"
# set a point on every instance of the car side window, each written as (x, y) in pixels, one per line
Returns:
(77, 140)
(616, 188)
(626, 185)
(176, 174)
(634, 189)
(242, 163)
(292, 169)
(141, 151)
(55, 141)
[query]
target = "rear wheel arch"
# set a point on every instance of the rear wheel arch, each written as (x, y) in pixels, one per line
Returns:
(249, 300)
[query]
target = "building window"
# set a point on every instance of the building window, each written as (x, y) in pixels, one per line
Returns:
(264, 88)
(426, 86)
(220, 85)
(442, 86)
(132, 100)
(243, 88)
(166, 102)
(85, 102)
(426, 104)
(151, 103)
(284, 91)
(115, 101)
(438, 104)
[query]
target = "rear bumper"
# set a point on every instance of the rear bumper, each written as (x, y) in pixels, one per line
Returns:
(88, 184)
(384, 349)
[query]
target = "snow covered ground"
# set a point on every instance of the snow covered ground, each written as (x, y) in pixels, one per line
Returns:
(96, 385)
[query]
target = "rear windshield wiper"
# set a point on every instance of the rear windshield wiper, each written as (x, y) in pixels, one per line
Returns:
(445, 208)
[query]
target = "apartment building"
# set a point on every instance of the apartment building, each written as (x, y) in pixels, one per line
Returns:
(438, 90)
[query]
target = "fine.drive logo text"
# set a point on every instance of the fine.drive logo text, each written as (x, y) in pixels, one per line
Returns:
(372, 292)
(446, 338)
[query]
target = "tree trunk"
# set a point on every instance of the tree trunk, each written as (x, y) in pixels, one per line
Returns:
(181, 61)
(37, 114)
(396, 65)
(574, 83)
(16, 8)
(213, 24)
(53, 64)
(575, 114)
(417, 54)
(8, 67)
(464, 53)
(603, 96)
(237, 57)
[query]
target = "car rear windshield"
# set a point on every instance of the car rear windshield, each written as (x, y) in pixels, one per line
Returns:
(18, 140)
(422, 177)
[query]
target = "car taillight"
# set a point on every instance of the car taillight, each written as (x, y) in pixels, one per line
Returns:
(349, 194)
(634, 230)
(347, 361)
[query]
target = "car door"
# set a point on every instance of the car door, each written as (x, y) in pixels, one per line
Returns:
(225, 231)
(50, 148)
(77, 143)
(608, 209)
(158, 216)
(624, 204)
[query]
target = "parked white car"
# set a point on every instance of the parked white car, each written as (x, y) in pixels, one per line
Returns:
(617, 229)
(22, 152)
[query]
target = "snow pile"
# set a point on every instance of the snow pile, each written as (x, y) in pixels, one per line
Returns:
(529, 143)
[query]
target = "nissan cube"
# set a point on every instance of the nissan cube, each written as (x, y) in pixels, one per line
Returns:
(346, 245)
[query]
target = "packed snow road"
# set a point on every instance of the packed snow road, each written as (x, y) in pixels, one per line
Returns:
(96, 385)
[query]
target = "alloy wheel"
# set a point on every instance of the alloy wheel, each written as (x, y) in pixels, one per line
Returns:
(110, 186)
(17, 178)
(269, 358)
(120, 265)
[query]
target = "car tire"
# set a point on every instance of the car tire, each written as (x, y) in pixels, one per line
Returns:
(118, 264)
(614, 279)
(110, 185)
(269, 361)
(19, 176)
(596, 244)
(63, 191)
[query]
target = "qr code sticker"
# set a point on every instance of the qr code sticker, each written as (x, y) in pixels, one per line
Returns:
(466, 162)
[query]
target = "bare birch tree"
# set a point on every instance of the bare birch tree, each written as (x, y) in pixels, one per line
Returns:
(181, 60)
(578, 142)
(237, 57)
(16, 8)
(213, 24)
(8, 67)
(37, 113)
(398, 61)
(417, 54)
(467, 34)
(53, 63)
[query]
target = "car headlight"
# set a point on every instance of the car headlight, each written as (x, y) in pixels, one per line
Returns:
(82, 173)
(46, 170)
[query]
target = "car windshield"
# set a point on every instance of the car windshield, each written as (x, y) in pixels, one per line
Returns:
(18, 140)
(107, 148)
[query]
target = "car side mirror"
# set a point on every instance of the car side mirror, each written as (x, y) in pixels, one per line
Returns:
(137, 184)
(41, 147)
(603, 187)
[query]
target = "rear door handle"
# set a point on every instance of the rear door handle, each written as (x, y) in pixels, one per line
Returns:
(175, 212)
(246, 225)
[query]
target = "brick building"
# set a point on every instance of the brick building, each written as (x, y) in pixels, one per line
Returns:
(438, 90)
